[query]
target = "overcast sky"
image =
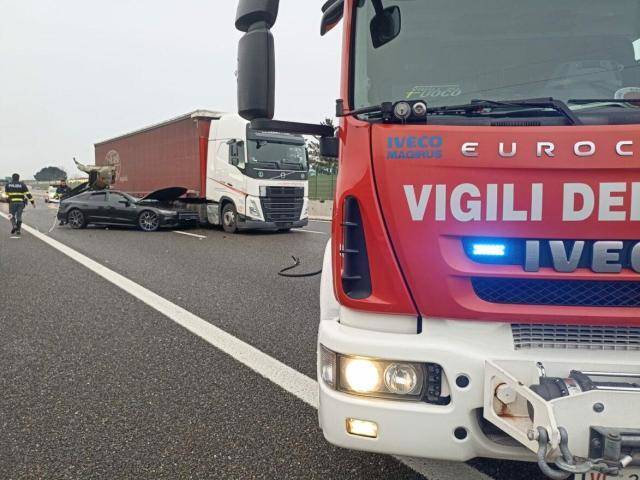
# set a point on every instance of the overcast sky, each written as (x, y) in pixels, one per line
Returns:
(73, 72)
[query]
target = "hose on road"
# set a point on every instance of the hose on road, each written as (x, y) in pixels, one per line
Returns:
(296, 264)
(55, 223)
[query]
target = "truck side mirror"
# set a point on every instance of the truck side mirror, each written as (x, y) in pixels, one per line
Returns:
(256, 58)
(385, 26)
(329, 147)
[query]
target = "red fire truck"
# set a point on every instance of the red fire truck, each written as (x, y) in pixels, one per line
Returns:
(480, 294)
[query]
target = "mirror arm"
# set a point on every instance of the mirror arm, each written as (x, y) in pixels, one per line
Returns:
(377, 6)
(292, 127)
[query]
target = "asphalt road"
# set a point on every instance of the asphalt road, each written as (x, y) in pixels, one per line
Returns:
(97, 384)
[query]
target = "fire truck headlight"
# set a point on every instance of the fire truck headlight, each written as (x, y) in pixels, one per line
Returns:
(361, 375)
(372, 377)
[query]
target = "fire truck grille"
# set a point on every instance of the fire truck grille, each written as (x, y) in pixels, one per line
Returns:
(570, 293)
(528, 336)
(283, 205)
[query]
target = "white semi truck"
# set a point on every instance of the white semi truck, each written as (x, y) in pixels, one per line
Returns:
(236, 176)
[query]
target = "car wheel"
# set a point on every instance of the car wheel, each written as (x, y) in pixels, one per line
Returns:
(76, 219)
(149, 221)
(230, 218)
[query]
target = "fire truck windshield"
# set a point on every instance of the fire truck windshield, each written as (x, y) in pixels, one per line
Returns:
(450, 52)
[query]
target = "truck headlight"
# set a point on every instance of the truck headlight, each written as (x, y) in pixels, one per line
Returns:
(360, 375)
(372, 377)
(253, 209)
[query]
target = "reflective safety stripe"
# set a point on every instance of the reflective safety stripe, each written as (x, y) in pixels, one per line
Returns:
(19, 196)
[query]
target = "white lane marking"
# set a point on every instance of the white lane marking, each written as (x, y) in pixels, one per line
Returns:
(308, 231)
(290, 380)
(189, 234)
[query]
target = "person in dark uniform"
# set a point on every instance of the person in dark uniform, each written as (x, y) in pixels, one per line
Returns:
(62, 189)
(61, 192)
(19, 195)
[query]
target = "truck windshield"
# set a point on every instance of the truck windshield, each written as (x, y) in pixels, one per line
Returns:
(453, 51)
(278, 155)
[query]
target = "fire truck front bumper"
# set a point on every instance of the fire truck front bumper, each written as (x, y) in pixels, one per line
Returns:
(469, 391)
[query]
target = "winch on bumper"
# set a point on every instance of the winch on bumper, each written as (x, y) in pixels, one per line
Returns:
(589, 421)
(488, 381)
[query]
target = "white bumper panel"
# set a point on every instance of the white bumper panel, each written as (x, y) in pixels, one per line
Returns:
(423, 430)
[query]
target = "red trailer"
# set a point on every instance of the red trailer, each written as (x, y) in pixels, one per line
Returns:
(235, 176)
(162, 155)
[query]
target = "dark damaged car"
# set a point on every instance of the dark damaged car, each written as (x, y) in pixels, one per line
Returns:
(159, 209)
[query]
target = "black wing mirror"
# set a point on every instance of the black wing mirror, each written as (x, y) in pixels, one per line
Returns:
(256, 58)
(329, 147)
(385, 26)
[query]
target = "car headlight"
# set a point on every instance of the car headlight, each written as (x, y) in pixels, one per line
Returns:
(169, 213)
(372, 377)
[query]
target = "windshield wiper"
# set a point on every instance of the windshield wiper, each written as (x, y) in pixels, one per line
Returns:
(385, 109)
(587, 101)
(298, 165)
(262, 162)
(527, 103)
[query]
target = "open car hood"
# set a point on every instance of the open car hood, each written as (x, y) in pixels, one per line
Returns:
(166, 194)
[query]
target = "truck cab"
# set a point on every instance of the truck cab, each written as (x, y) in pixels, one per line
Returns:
(256, 179)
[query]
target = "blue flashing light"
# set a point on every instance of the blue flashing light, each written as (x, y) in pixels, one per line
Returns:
(489, 249)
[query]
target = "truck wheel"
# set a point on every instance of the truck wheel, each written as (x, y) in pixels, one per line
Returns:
(76, 219)
(230, 218)
(149, 221)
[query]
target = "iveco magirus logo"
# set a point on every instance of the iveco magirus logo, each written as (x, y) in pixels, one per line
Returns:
(601, 257)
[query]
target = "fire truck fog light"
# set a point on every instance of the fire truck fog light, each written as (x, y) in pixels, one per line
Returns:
(402, 379)
(489, 250)
(362, 428)
(361, 375)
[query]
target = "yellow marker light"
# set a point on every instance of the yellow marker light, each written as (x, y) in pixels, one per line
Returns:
(362, 428)
(362, 375)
